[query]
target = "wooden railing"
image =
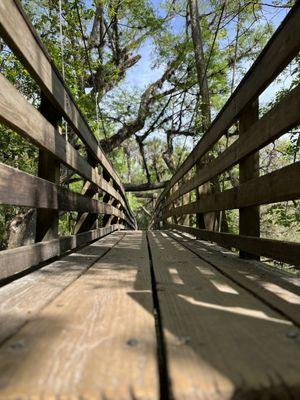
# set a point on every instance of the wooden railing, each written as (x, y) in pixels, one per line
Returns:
(254, 134)
(41, 128)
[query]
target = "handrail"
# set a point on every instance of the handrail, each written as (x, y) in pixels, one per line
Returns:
(44, 192)
(255, 133)
(279, 51)
(30, 50)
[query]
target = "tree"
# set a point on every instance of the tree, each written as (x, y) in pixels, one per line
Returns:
(147, 132)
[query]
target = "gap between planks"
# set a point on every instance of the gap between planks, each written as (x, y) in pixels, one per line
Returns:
(270, 286)
(221, 341)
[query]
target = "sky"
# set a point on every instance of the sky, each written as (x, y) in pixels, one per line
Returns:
(142, 74)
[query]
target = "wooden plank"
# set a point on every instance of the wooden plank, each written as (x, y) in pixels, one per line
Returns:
(14, 261)
(269, 284)
(47, 220)
(22, 189)
(249, 217)
(280, 185)
(87, 221)
(279, 51)
(96, 340)
(26, 44)
(18, 114)
(280, 250)
(282, 117)
(221, 341)
(23, 298)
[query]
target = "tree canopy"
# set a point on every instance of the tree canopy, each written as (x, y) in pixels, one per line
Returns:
(198, 51)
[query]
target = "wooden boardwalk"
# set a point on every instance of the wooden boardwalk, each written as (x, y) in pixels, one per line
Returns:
(139, 315)
(157, 315)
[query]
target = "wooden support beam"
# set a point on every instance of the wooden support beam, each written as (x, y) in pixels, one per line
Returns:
(87, 221)
(249, 217)
(49, 169)
(106, 199)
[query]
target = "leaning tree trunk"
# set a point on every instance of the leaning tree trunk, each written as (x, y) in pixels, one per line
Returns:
(22, 229)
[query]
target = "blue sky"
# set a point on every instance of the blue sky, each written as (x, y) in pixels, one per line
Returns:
(142, 74)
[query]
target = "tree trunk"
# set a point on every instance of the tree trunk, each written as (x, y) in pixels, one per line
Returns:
(22, 229)
(207, 220)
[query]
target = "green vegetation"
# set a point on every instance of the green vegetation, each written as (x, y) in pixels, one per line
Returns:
(148, 129)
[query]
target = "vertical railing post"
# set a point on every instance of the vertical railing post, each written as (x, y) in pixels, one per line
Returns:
(86, 221)
(184, 219)
(164, 210)
(112, 218)
(48, 168)
(249, 217)
(108, 199)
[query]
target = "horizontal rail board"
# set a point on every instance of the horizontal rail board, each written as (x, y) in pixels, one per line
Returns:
(18, 114)
(279, 51)
(280, 185)
(26, 44)
(272, 125)
(287, 252)
(22, 189)
(17, 260)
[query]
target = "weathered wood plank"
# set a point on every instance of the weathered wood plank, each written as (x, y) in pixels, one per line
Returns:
(95, 340)
(288, 252)
(23, 298)
(22, 189)
(282, 117)
(281, 49)
(26, 44)
(271, 285)
(17, 260)
(249, 217)
(280, 185)
(221, 341)
(17, 113)
(47, 220)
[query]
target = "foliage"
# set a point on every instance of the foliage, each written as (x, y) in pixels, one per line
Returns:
(149, 130)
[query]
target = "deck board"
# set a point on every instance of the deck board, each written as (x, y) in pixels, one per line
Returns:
(221, 341)
(83, 327)
(95, 340)
(22, 299)
(277, 288)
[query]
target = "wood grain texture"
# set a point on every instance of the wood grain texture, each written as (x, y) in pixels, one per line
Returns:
(17, 113)
(280, 250)
(47, 220)
(26, 44)
(282, 117)
(17, 260)
(249, 217)
(23, 298)
(96, 340)
(280, 185)
(279, 51)
(22, 189)
(222, 342)
(279, 289)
